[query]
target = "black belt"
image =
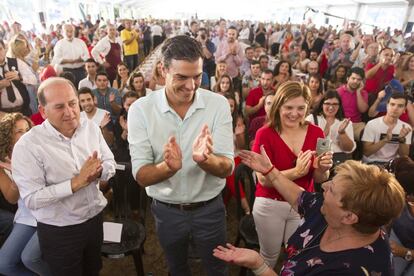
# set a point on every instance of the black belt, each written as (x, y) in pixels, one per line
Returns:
(187, 206)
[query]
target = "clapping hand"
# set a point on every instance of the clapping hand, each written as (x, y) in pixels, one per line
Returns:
(258, 162)
(90, 171)
(172, 155)
(105, 120)
(343, 125)
(203, 145)
(404, 131)
(303, 163)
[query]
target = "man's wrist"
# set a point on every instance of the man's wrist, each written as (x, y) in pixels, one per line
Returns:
(401, 140)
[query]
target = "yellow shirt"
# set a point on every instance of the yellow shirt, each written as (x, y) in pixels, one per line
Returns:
(131, 48)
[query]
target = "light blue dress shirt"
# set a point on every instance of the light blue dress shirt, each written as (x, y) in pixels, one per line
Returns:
(43, 163)
(151, 121)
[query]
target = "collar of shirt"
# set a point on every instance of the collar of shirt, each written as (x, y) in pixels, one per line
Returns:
(53, 131)
(198, 103)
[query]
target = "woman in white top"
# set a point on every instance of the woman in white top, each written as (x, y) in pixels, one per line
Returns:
(121, 81)
(20, 254)
(157, 80)
(330, 117)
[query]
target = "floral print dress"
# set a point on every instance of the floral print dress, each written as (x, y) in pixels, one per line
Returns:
(306, 258)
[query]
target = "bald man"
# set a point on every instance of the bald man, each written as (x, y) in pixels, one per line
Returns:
(57, 166)
(71, 54)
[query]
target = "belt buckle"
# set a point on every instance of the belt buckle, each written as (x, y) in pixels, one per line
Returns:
(184, 205)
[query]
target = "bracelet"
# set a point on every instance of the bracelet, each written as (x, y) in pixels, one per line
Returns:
(260, 269)
(266, 173)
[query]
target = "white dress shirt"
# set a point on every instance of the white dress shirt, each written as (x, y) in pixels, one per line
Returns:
(43, 163)
(151, 121)
(65, 49)
(103, 47)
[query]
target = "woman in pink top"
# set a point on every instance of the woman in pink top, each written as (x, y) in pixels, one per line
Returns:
(290, 143)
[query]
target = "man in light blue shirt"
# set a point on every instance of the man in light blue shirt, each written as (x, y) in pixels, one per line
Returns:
(181, 145)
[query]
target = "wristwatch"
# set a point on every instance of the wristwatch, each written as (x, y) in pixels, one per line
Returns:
(408, 256)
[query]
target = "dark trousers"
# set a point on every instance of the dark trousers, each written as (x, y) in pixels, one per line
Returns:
(74, 249)
(78, 73)
(131, 62)
(147, 46)
(205, 225)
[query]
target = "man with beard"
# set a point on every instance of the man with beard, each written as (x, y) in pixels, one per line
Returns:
(100, 117)
(107, 98)
(354, 99)
(181, 145)
(387, 137)
(256, 97)
(230, 52)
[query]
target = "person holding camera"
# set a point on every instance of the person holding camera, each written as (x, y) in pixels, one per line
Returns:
(209, 63)
(290, 143)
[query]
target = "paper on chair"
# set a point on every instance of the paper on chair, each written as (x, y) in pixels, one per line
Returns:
(112, 231)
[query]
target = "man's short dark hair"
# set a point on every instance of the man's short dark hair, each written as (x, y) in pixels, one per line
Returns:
(267, 71)
(91, 60)
(101, 73)
(398, 95)
(254, 62)
(85, 90)
(69, 76)
(358, 71)
(262, 57)
(232, 28)
(247, 49)
(192, 23)
(181, 47)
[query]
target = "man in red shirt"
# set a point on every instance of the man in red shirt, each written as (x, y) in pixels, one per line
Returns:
(256, 97)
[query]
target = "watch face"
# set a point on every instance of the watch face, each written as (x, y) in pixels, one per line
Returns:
(408, 256)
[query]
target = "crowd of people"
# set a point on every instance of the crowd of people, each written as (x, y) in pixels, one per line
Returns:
(75, 99)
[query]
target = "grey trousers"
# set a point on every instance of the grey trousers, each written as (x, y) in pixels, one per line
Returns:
(207, 228)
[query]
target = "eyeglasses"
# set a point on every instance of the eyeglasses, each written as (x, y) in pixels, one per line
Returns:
(331, 104)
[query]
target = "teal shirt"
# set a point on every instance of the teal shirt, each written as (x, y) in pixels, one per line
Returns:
(151, 121)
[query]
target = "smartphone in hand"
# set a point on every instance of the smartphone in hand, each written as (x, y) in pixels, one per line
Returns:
(323, 145)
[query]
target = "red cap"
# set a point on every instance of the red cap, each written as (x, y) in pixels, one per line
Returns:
(47, 72)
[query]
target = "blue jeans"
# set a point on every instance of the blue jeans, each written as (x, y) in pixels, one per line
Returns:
(401, 266)
(207, 228)
(20, 254)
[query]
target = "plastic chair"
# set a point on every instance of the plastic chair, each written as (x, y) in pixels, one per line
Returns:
(133, 232)
(247, 229)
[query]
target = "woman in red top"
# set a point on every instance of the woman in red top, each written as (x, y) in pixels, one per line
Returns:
(290, 143)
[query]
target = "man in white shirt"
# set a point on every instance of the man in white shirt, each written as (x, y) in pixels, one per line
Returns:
(100, 117)
(71, 54)
(108, 52)
(89, 81)
(156, 32)
(57, 166)
(387, 137)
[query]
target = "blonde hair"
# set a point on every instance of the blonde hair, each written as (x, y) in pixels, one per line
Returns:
(373, 194)
(19, 47)
(287, 91)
